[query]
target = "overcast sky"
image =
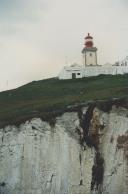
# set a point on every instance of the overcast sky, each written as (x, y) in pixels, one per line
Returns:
(38, 37)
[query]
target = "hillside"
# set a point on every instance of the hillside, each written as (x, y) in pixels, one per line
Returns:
(48, 97)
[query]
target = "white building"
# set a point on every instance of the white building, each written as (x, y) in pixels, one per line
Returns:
(90, 66)
(71, 72)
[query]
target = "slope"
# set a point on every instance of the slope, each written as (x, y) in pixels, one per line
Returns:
(48, 97)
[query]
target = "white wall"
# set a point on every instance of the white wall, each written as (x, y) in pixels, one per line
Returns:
(67, 74)
(93, 71)
(91, 59)
(97, 70)
(112, 70)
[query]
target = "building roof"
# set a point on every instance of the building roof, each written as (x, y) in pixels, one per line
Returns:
(88, 37)
(89, 49)
(74, 66)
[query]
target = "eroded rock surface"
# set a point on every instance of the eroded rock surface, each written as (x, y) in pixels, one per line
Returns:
(84, 153)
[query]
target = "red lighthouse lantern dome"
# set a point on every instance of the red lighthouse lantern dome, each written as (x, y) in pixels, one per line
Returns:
(88, 41)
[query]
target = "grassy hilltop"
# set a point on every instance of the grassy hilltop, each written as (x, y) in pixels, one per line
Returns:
(41, 98)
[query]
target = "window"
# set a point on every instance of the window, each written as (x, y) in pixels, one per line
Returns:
(90, 54)
(78, 73)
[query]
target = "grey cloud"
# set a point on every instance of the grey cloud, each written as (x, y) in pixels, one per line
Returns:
(21, 10)
(17, 15)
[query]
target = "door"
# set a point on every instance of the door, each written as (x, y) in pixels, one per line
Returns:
(73, 76)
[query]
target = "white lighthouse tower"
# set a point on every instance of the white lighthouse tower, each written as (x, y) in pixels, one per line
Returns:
(89, 52)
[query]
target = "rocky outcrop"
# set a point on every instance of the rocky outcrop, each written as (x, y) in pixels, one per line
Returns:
(86, 152)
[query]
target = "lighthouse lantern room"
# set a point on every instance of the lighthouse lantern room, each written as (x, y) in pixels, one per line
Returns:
(89, 52)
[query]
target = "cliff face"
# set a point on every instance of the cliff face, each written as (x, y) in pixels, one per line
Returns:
(85, 152)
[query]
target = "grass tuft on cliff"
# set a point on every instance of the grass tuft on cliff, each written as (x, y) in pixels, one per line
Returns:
(45, 97)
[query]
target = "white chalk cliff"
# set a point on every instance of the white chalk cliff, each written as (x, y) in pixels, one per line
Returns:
(68, 158)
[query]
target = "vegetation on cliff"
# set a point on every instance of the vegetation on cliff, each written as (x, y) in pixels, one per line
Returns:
(47, 97)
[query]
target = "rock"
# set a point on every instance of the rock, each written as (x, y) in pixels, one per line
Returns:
(36, 158)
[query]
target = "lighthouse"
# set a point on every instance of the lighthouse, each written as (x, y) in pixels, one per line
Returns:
(89, 52)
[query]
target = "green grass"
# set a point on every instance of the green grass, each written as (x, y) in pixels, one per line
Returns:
(43, 98)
